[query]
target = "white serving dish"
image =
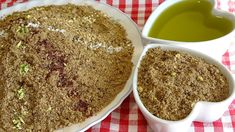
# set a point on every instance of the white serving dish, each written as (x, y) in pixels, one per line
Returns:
(202, 111)
(132, 32)
(214, 48)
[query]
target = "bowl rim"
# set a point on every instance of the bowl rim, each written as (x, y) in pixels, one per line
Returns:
(122, 95)
(195, 111)
(161, 8)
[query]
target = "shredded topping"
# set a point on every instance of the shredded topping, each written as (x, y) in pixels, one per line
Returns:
(56, 29)
(34, 25)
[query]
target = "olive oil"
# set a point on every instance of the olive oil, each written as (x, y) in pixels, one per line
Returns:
(190, 21)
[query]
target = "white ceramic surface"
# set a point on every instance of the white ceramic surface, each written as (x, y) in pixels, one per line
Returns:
(202, 111)
(132, 32)
(214, 48)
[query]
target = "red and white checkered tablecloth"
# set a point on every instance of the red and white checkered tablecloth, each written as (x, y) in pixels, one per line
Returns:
(128, 117)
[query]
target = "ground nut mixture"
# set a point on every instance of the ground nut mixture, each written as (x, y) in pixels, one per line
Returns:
(59, 65)
(171, 82)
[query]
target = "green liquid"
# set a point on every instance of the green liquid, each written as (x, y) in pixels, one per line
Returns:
(190, 20)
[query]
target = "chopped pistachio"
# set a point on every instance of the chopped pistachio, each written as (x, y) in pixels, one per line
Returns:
(49, 109)
(177, 55)
(22, 29)
(24, 68)
(21, 120)
(140, 89)
(173, 74)
(28, 16)
(221, 80)
(21, 93)
(200, 78)
(20, 44)
(23, 111)
(193, 104)
(17, 122)
(153, 98)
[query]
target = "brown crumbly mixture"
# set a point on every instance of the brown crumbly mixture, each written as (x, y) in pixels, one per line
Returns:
(171, 82)
(59, 65)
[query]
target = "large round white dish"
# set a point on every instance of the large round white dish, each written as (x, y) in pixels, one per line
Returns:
(133, 34)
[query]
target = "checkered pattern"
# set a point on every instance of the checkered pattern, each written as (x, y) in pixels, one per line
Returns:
(128, 117)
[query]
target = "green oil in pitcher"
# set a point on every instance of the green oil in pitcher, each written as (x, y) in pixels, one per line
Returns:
(190, 21)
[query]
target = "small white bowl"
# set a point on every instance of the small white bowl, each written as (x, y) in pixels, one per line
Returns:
(202, 111)
(214, 48)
